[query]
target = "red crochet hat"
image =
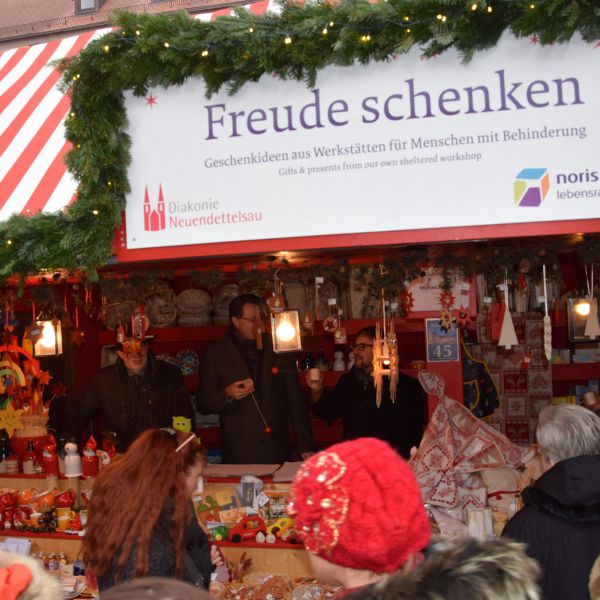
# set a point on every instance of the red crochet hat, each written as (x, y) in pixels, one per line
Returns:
(358, 504)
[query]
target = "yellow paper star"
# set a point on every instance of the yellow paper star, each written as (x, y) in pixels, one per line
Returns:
(10, 419)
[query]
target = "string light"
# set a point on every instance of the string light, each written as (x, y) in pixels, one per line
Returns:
(287, 40)
(167, 44)
(72, 115)
(106, 48)
(138, 32)
(442, 18)
(204, 53)
(9, 242)
(474, 7)
(365, 38)
(251, 29)
(489, 9)
(96, 212)
(532, 6)
(408, 30)
(330, 23)
(406, 18)
(325, 31)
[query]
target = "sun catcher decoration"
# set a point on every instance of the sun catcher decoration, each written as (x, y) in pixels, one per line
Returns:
(385, 355)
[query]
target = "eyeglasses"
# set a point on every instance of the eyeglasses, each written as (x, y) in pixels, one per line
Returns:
(252, 320)
(360, 347)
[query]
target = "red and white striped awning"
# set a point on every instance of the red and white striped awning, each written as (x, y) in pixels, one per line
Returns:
(33, 175)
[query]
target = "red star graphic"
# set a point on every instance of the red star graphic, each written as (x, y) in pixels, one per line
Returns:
(534, 39)
(597, 45)
(151, 101)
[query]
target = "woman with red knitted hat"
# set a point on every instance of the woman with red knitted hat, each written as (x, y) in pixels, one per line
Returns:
(358, 508)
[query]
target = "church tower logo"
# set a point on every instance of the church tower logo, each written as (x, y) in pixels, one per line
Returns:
(154, 218)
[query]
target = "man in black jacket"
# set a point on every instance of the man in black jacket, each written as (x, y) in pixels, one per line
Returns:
(137, 393)
(256, 392)
(560, 522)
(400, 423)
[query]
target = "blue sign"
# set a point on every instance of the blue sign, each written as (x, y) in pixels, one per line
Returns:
(442, 345)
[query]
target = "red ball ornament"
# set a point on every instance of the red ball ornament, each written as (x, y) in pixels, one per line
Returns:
(268, 429)
(275, 370)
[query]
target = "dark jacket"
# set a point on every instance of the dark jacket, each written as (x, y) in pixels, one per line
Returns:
(560, 523)
(131, 408)
(243, 435)
(161, 559)
(353, 399)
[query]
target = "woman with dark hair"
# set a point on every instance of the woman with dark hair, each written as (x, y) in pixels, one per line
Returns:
(141, 520)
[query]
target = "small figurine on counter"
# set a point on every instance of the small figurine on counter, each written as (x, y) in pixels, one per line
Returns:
(72, 460)
(50, 459)
(350, 363)
(338, 361)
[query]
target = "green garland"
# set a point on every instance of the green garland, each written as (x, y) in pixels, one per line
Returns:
(167, 50)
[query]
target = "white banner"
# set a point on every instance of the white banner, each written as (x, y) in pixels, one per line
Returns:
(512, 137)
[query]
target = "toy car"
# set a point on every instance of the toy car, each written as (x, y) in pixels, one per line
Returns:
(247, 529)
(219, 533)
(280, 526)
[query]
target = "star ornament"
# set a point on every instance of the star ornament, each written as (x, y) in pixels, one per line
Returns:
(151, 100)
(10, 419)
(44, 377)
(534, 39)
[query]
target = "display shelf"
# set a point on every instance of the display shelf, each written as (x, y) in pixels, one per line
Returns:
(37, 534)
(575, 371)
(278, 545)
(214, 332)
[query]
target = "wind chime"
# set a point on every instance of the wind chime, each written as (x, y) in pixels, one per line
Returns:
(385, 355)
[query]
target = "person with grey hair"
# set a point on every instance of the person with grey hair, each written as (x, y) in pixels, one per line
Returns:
(560, 522)
(462, 568)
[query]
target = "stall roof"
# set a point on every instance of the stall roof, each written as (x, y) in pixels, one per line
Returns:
(33, 175)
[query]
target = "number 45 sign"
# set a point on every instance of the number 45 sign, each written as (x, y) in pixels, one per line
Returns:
(442, 345)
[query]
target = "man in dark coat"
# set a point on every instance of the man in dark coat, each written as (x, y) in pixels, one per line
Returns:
(256, 392)
(560, 522)
(400, 423)
(136, 393)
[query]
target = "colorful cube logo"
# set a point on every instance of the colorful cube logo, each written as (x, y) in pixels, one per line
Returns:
(531, 187)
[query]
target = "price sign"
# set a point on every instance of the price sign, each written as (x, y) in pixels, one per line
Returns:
(442, 346)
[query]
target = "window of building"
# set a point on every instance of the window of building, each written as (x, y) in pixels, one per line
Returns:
(87, 5)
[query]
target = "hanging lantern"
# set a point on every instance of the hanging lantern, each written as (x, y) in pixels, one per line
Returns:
(50, 343)
(285, 328)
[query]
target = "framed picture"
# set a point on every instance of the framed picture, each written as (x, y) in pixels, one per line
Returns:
(578, 310)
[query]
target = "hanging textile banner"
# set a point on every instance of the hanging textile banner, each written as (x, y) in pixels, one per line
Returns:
(409, 144)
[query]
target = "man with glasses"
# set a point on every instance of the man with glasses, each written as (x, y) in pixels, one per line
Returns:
(400, 423)
(136, 393)
(255, 392)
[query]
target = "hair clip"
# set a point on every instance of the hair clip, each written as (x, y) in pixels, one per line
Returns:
(192, 437)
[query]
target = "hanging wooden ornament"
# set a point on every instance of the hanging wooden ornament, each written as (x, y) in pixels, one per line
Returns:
(10, 419)
(592, 327)
(508, 336)
(385, 355)
(547, 321)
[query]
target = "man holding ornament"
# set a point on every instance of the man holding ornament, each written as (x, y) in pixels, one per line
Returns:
(399, 422)
(136, 393)
(255, 392)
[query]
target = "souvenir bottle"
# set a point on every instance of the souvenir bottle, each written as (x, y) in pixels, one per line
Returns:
(29, 459)
(60, 451)
(50, 459)
(4, 453)
(72, 460)
(90, 461)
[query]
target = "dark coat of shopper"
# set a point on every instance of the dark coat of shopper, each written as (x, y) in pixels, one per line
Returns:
(197, 566)
(400, 423)
(560, 524)
(131, 404)
(244, 438)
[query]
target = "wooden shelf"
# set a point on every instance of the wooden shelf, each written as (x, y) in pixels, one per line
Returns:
(214, 332)
(575, 371)
(278, 545)
(36, 534)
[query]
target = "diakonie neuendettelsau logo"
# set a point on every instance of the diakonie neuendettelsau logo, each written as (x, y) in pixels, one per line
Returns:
(531, 187)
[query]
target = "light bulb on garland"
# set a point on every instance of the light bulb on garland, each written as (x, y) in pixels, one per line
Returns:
(489, 9)
(138, 32)
(106, 48)
(251, 29)
(287, 40)
(204, 53)
(166, 44)
(474, 7)
(325, 31)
